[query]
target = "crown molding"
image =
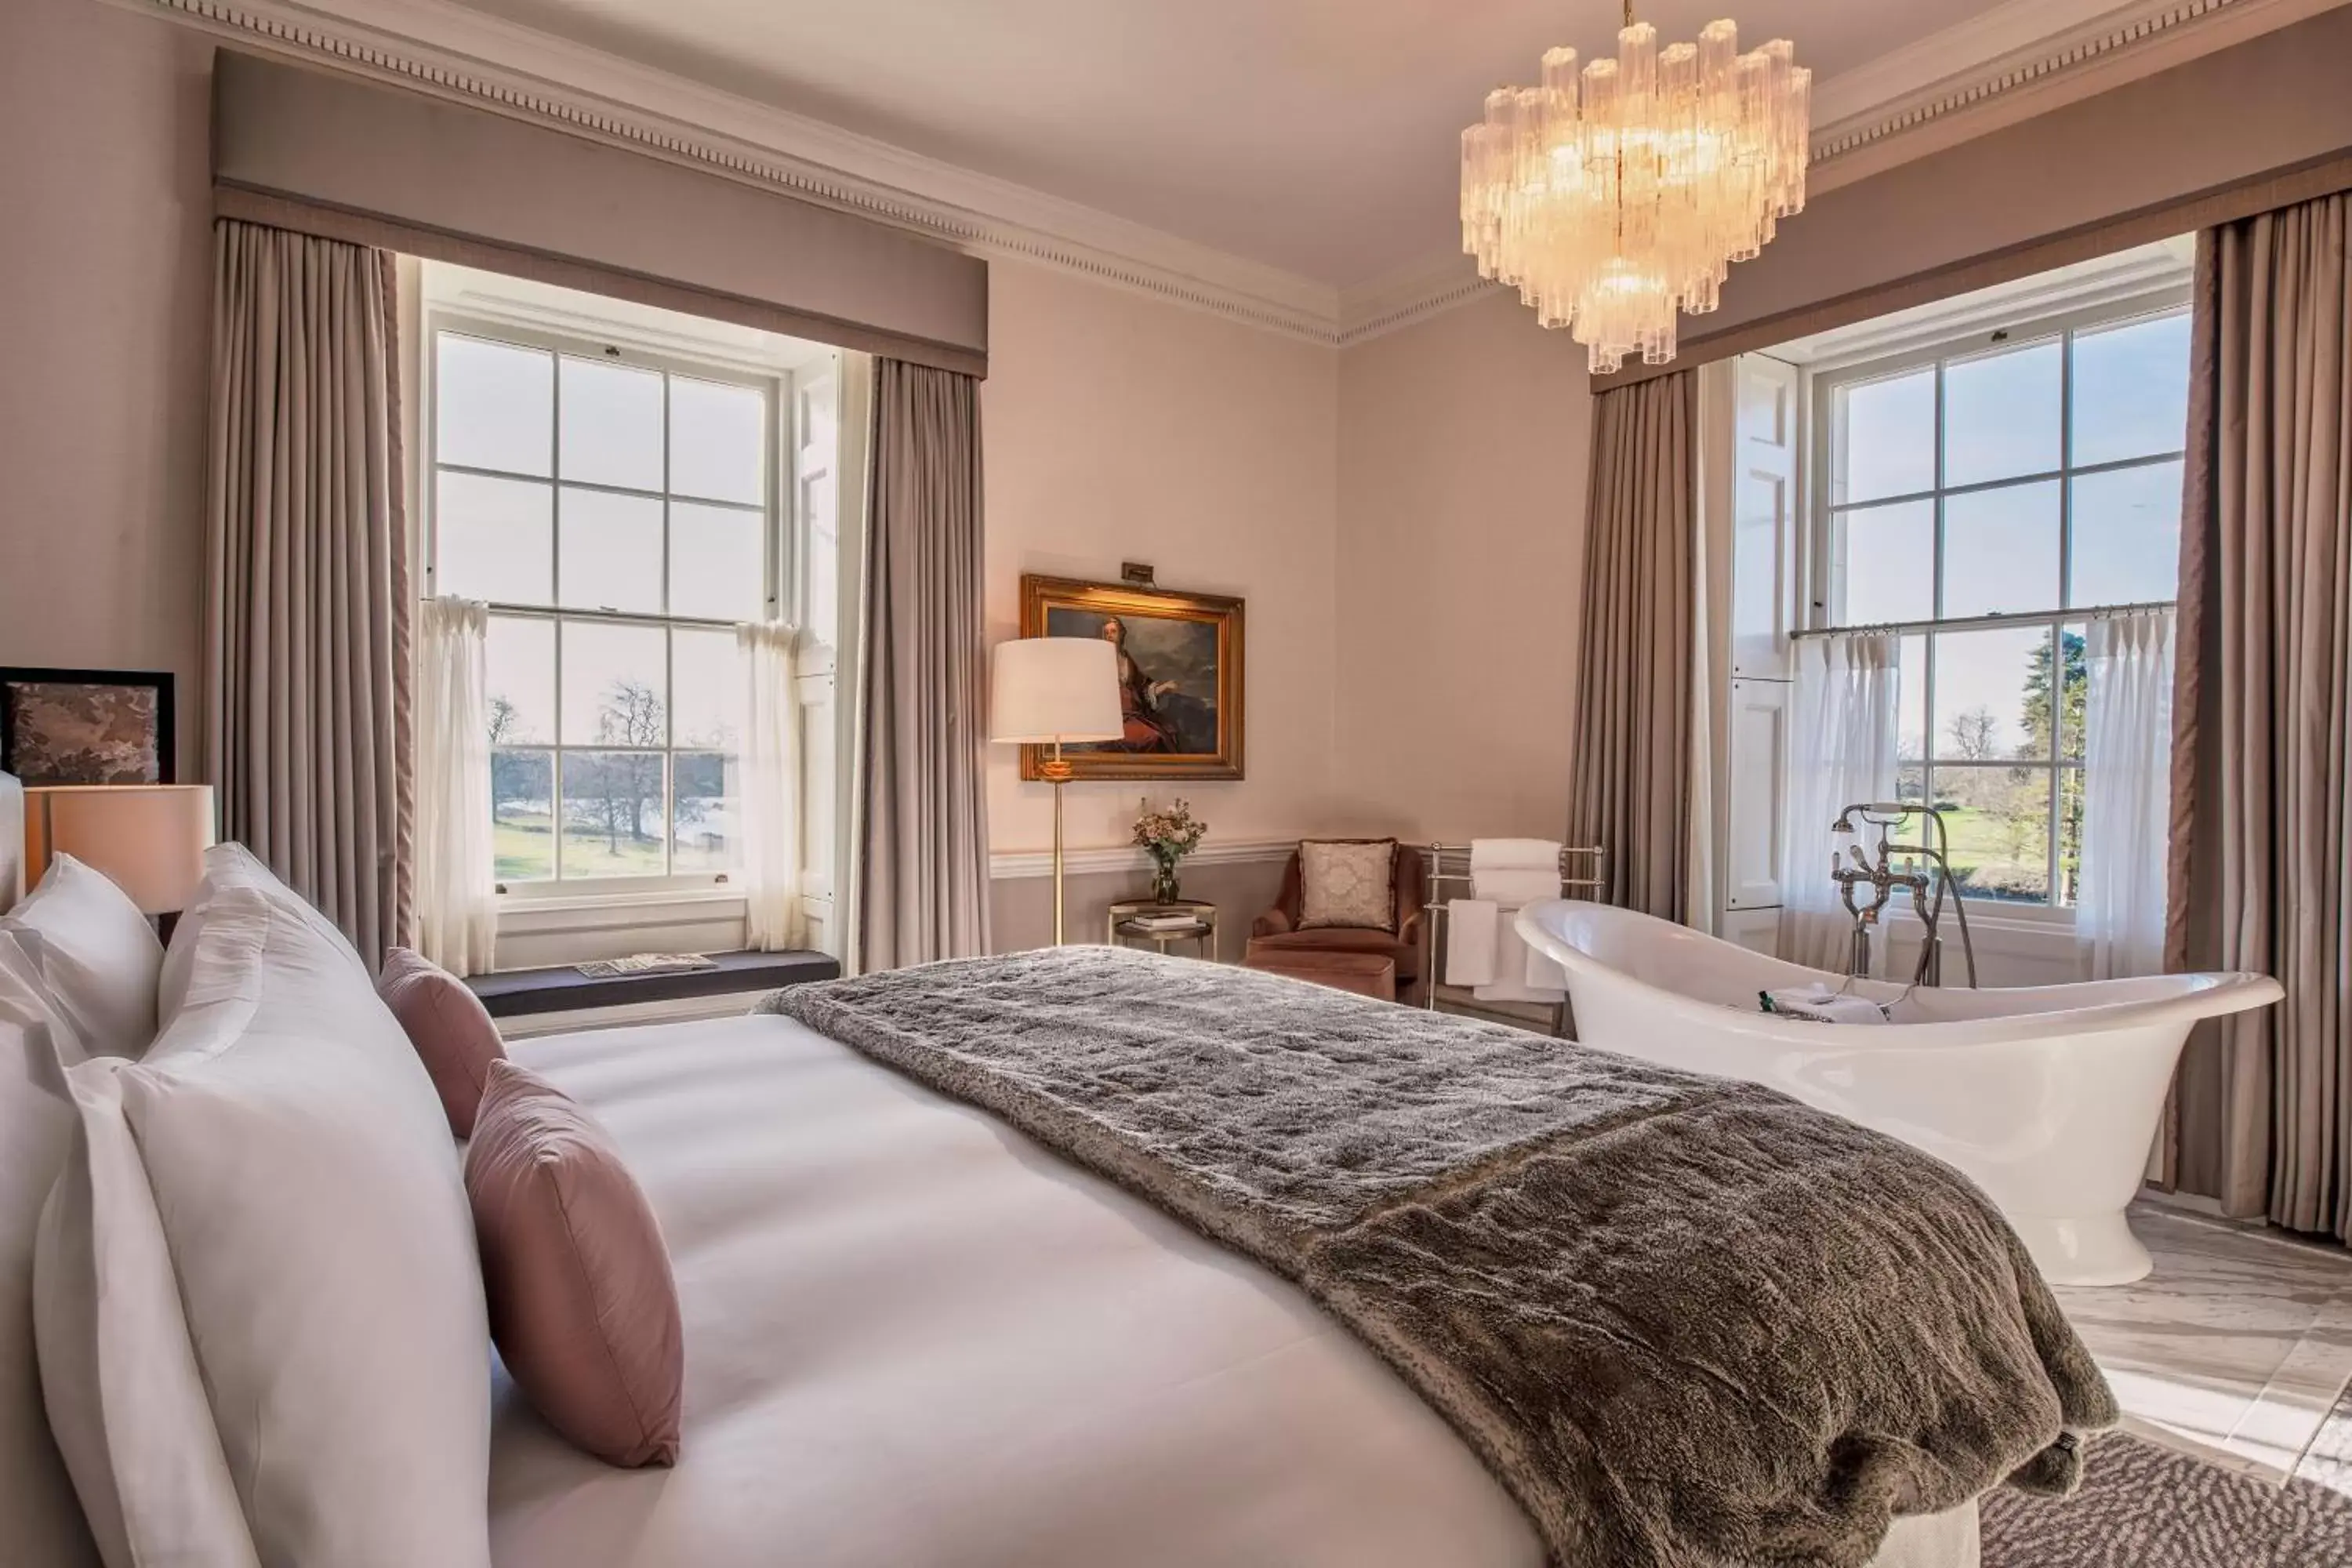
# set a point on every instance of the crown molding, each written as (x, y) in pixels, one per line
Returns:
(2026, 54)
(462, 54)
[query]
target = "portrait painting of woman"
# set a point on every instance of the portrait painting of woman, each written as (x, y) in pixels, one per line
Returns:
(1179, 664)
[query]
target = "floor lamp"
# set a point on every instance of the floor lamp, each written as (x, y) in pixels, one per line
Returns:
(1046, 690)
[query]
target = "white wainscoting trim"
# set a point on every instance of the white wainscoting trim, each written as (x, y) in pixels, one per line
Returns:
(458, 53)
(1122, 857)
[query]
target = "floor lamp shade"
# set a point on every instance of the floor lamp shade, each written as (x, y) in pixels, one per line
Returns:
(1047, 690)
(1055, 689)
(148, 839)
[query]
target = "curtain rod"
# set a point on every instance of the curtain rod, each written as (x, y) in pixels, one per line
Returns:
(1979, 622)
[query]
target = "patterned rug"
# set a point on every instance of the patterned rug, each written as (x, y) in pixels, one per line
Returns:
(2145, 1506)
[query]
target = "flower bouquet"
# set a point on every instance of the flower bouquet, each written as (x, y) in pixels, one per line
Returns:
(1168, 836)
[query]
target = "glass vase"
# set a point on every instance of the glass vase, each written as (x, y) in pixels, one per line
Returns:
(1164, 889)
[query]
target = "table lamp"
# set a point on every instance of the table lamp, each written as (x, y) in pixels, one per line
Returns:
(1046, 690)
(148, 839)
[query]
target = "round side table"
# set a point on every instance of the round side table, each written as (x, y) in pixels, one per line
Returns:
(1200, 926)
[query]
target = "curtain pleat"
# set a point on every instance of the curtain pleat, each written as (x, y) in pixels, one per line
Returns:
(2120, 906)
(457, 859)
(923, 861)
(770, 788)
(2259, 872)
(1630, 788)
(1845, 718)
(306, 723)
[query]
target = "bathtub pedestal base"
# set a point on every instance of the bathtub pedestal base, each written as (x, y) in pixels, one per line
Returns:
(2084, 1249)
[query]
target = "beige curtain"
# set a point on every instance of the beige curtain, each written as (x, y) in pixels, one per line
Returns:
(2263, 688)
(923, 833)
(307, 674)
(1630, 790)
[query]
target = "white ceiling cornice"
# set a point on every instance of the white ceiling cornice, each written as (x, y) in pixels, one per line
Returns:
(1867, 116)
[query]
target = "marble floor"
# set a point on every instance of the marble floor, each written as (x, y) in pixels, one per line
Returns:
(2234, 1349)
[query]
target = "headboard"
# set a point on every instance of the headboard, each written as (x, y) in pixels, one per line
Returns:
(12, 842)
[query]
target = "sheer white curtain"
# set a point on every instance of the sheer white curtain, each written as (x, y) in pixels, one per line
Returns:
(1842, 750)
(2127, 795)
(771, 785)
(457, 886)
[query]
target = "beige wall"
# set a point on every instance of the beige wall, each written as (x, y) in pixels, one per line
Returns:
(1462, 447)
(105, 300)
(1117, 427)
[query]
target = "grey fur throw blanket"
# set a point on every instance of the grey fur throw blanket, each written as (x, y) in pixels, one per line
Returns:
(1686, 1321)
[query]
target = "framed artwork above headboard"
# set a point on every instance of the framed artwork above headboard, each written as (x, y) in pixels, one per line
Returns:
(86, 726)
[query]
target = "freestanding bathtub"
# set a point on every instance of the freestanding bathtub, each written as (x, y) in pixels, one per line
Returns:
(2046, 1095)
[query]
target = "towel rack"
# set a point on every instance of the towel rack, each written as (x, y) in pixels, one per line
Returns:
(1579, 871)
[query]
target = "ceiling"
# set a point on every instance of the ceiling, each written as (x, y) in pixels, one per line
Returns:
(1317, 136)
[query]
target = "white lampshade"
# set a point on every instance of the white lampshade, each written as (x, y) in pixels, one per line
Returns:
(149, 840)
(1056, 688)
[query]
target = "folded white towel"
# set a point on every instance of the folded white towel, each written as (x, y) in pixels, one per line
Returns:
(1515, 854)
(1511, 888)
(1820, 1004)
(1515, 968)
(1470, 941)
(1544, 971)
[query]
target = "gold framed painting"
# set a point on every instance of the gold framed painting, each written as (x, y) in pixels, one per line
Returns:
(1179, 677)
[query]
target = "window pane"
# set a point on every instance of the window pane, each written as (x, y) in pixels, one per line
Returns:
(1911, 701)
(519, 660)
(717, 441)
(2074, 647)
(1890, 563)
(1999, 819)
(611, 552)
(2070, 830)
(708, 676)
(522, 814)
(2131, 391)
(2127, 535)
(615, 685)
(612, 425)
(495, 539)
(2000, 414)
(2000, 551)
(718, 570)
(703, 833)
(1911, 782)
(1985, 681)
(1884, 439)
(612, 814)
(493, 406)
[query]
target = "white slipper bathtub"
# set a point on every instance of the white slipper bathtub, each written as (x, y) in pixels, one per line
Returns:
(2047, 1097)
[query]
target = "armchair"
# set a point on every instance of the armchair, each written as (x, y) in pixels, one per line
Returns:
(1277, 927)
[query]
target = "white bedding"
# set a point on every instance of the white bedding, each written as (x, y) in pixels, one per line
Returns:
(915, 1338)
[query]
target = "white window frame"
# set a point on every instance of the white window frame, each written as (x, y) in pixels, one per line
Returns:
(1824, 587)
(782, 549)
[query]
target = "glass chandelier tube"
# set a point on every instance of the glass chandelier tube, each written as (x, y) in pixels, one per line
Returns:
(1613, 196)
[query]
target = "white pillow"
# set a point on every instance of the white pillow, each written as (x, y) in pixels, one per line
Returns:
(99, 956)
(119, 1374)
(310, 1201)
(234, 866)
(37, 1497)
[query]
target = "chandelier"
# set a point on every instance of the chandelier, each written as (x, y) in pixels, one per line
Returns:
(1610, 208)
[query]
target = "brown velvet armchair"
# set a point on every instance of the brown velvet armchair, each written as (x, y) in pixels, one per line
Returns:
(1278, 927)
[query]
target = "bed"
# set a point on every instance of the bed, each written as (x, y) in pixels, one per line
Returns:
(917, 1337)
(914, 1333)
